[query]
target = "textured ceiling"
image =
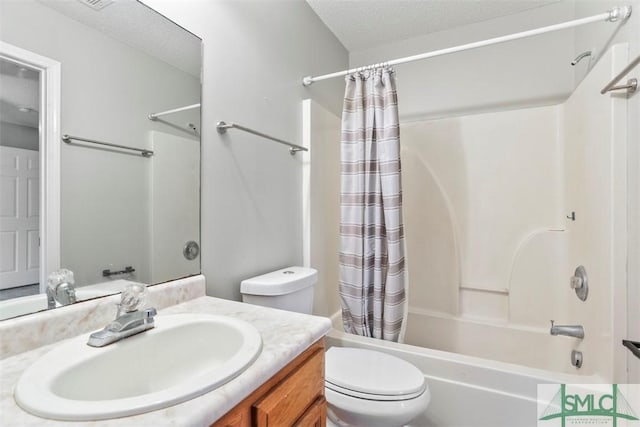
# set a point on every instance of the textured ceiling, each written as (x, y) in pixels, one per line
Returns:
(133, 23)
(363, 24)
(18, 89)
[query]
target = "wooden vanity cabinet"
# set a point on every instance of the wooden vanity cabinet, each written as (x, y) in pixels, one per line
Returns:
(292, 397)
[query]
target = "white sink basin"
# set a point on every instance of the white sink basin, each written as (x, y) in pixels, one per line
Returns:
(184, 356)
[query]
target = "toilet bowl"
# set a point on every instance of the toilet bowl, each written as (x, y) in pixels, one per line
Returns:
(367, 388)
(363, 388)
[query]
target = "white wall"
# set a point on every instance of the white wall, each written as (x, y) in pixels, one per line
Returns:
(108, 89)
(528, 72)
(255, 55)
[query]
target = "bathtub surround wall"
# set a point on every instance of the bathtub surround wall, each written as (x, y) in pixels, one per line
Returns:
(595, 156)
(96, 70)
(478, 189)
(587, 37)
(321, 203)
(255, 54)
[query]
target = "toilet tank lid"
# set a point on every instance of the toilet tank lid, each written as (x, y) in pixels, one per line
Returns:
(281, 282)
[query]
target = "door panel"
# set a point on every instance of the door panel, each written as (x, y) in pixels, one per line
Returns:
(19, 217)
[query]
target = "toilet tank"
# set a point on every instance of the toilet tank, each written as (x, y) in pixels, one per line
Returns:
(288, 289)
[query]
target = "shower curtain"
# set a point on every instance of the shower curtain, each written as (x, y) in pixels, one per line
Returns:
(372, 263)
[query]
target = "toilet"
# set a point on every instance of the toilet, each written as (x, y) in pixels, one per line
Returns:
(363, 388)
(288, 289)
(373, 389)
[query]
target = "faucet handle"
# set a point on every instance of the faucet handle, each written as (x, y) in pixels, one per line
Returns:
(67, 276)
(58, 277)
(576, 282)
(579, 282)
(132, 298)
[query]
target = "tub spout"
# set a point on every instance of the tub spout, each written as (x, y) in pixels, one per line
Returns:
(576, 331)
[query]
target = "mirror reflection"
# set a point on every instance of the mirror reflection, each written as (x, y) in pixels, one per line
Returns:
(128, 144)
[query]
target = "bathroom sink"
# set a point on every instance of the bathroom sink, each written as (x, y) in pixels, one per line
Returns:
(184, 356)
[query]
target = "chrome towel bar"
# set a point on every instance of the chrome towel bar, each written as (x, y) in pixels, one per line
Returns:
(293, 148)
(632, 84)
(109, 273)
(633, 346)
(154, 116)
(68, 138)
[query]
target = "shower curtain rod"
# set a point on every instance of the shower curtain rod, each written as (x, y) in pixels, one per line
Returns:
(616, 14)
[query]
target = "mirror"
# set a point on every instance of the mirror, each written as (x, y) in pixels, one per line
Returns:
(128, 207)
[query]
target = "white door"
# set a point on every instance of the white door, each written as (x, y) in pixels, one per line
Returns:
(19, 217)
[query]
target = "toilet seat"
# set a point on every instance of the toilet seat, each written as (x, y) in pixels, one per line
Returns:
(370, 396)
(372, 375)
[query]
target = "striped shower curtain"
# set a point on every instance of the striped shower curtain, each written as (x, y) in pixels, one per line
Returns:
(372, 263)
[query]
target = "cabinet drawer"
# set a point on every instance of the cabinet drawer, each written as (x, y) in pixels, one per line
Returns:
(288, 401)
(235, 418)
(316, 415)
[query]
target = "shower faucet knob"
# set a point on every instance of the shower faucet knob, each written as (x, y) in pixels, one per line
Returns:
(576, 282)
(579, 282)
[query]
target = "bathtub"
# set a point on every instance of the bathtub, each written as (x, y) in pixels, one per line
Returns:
(533, 347)
(468, 391)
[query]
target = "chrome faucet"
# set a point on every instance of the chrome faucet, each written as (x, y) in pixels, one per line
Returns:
(64, 293)
(60, 288)
(129, 320)
(576, 331)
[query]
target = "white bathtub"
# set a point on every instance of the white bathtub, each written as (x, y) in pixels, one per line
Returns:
(469, 391)
(533, 347)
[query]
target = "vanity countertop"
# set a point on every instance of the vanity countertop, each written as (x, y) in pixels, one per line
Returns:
(285, 335)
